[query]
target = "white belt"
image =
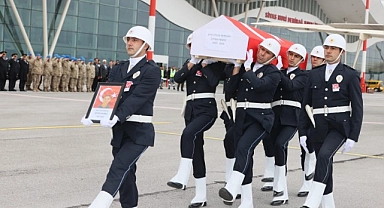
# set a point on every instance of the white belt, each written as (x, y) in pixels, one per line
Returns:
(194, 96)
(286, 102)
(140, 119)
(253, 105)
(326, 110)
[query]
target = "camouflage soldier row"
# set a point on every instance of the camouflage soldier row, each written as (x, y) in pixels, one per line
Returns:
(61, 73)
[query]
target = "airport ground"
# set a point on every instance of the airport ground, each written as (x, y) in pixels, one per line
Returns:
(49, 159)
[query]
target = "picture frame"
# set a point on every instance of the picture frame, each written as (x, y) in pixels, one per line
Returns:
(104, 101)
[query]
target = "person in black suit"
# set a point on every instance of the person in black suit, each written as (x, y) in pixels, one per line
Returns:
(200, 113)
(132, 127)
(14, 68)
(286, 106)
(97, 72)
(333, 91)
(3, 69)
(24, 70)
(255, 84)
(103, 71)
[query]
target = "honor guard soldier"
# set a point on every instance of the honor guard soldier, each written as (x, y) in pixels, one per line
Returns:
(333, 91)
(202, 77)
(286, 106)
(24, 70)
(308, 160)
(255, 88)
(132, 127)
(14, 68)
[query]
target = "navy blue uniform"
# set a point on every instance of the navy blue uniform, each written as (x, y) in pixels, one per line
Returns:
(131, 136)
(254, 116)
(286, 106)
(14, 68)
(333, 124)
(3, 73)
(200, 110)
(23, 73)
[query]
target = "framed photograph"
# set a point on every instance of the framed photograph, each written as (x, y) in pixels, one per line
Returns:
(104, 101)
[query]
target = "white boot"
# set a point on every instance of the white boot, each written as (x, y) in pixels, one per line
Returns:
(180, 180)
(309, 165)
(229, 192)
(315, 195)
(229, 163)
(246, 196)
(200, 199)
(280, 191)
(103, 200)
(328, 201)
(304, 190)
(269, 169)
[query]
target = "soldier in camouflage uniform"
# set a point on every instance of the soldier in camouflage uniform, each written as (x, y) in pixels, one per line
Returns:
(47, 73)
(37, 71)
(74, 75)
(82, 76)
(66, 72)
(57, 72)
(90, 75)
(30, 60)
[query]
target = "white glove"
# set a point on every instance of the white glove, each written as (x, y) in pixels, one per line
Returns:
(348, 145)
(233, 61)
(208, 61)
(248, 62)
(303, 143)
(109, 123)
(86, 121)
(194, 60)
(279, 64)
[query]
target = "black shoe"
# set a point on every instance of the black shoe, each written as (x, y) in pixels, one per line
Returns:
(267, 188)
(12, 90)
(3, 90)
(279, 202)
(303, 194)
(199, 204)
(176, 185)
(238, 196)
(225, 195)
(182, 90)
(276, 194)
(310, 177)
(304, 207)
(267, 180)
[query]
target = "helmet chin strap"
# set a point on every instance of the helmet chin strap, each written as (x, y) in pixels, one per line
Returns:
(336, 58)
(299, 62)
(267, 62)
(138, 51)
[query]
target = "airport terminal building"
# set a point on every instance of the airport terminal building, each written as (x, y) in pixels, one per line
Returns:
(94, 28)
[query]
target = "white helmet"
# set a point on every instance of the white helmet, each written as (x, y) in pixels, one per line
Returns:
(271, 45)
(141, 33)
(189, 40)
(318, 51)
(335, 40)
(299, 49)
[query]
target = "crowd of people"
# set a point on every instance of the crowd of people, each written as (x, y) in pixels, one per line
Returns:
(52, 74)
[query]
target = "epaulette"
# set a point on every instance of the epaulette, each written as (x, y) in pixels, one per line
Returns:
(152, 63)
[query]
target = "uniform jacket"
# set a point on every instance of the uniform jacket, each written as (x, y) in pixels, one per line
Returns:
(24, 69)
(3, 68)
(142, 81)
(14, 68)
(342, 89)
(200, 80)
(258, 87)
(291, 87)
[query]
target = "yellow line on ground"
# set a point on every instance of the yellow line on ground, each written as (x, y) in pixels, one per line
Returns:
(58, 127)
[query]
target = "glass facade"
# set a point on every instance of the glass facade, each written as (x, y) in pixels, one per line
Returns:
(92, 28)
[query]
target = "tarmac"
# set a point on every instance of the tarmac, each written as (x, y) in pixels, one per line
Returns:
(50, 160)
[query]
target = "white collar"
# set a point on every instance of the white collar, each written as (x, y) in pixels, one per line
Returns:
(331, 66)
(134, 61)
(257, 66)
(291, 69)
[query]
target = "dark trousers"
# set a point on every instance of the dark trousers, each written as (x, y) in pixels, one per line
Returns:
(22, 84)
(180, 85)
(192, 142)
(310, 148)
(94, 84)
(121, 176)
(2, 84)
(229, 138)
(280, 137)
(324, 155)
(11, 84)
(252, 134)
